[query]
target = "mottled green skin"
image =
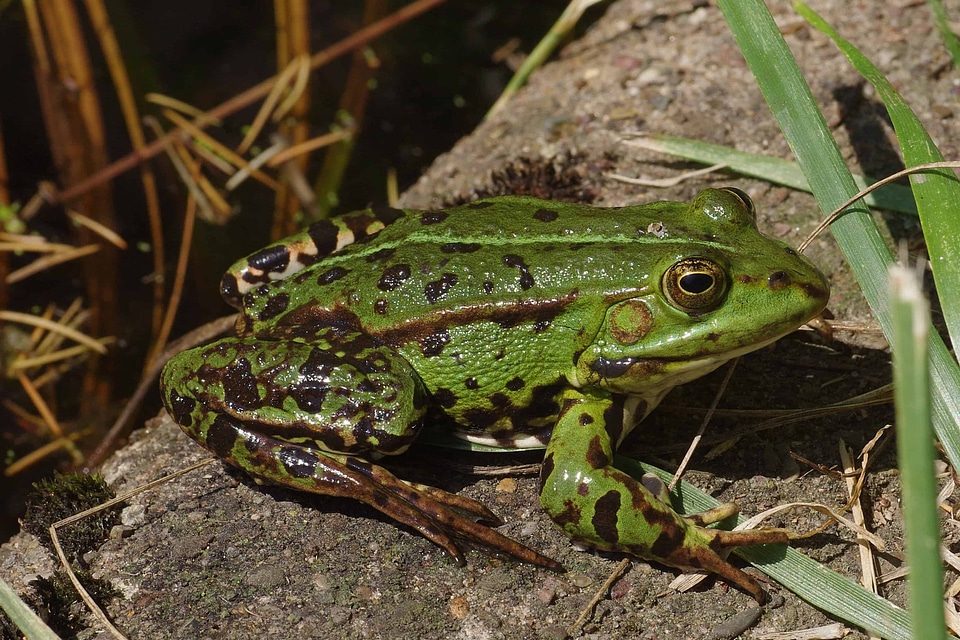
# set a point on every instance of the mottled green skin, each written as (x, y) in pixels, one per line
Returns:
(505, 320)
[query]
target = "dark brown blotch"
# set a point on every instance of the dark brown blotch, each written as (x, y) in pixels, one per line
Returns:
(435, 290)
(596, 456)
(515, 383)
(569, 515)
(221, 436)
(309, 395)
(388, 215)
(382, 255)
(380, 307)
(546, 215)
(275, 306)
(460, 247)
(613, 420)
(240, 386)
(273, 259)
(778, 280)
(331, 275)
(432, 345)
(605, 517)
(444, 397)
(433, 217)
(230, 289)
(181, 407)
(546, 468)
(393, 276)
(517, 262)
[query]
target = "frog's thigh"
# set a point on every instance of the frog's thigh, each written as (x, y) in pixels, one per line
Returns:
(350, 398)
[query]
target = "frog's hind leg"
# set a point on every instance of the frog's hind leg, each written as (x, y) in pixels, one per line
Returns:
(300, 414)
(433, 513)
(596, 503)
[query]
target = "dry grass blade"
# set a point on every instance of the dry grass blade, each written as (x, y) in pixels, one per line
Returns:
(40, 404)
(99, 18)
(219, 148)
(182, 107)
(868, 563)
(51, 260)
(84, 595)
(839, 211)
(77, 137)
(23, 363)
(35, 456)
(834, 631)
(665, 182)
(313, 144)
(186, 176)
(286, 79)
(251, 95)
(189, 221)
(33, 244)
(104, 232)
(56, 327)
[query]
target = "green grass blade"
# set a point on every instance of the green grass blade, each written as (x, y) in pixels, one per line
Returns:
(558, 32)
(26, 620)
(937, 192)
(946, 33)
(812, 581)
(892, 197)
(916, 454)
(807, 134)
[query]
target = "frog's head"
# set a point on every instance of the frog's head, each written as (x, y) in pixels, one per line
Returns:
(718, 289)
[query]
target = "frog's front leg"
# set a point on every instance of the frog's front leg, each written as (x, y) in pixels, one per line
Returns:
(596, 503)
(302, 414)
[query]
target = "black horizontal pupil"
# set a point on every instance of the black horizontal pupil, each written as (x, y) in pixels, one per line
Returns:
(696, 282)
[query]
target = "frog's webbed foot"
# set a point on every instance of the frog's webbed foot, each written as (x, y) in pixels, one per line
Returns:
(436, 514)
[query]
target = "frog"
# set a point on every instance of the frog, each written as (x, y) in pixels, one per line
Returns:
(510, 322)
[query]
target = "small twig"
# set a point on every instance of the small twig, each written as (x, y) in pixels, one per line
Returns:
(600, 594)
(703, 425)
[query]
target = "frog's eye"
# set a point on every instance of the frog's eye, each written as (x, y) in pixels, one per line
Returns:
(744, 198)
(695, 285)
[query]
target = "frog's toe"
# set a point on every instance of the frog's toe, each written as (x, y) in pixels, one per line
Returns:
(460, 503)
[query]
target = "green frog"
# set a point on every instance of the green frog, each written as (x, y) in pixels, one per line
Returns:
(511, 322)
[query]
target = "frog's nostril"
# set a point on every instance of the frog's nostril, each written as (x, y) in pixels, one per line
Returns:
(778, 280)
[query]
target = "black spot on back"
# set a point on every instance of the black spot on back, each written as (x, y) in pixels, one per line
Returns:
(393, 277)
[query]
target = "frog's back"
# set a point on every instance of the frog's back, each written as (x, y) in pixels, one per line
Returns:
(502, 259)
